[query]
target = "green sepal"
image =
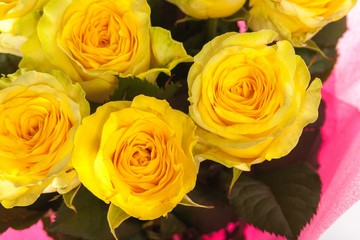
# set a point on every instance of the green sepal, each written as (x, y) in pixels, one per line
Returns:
(69, 198)
(186, 19)
(186, 201)
(115, 217)
(236, 174)
(131, 87)
(310, 44)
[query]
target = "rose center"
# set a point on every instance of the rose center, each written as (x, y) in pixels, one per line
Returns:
(34, 126)
(141, 156)
(104, 35)
(243, 89)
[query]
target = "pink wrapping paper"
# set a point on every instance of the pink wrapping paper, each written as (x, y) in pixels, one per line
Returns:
(338, 157)
(36, 232)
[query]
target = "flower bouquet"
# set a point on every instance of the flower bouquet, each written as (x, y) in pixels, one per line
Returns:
(157, 119)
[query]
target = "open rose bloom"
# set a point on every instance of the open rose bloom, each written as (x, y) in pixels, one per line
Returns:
(10, 13)
(39, 114)
(95, 41)
(251, 100)
(296, 21)
(137, 156)
(204, 9)
(19, 8)
(113, 106)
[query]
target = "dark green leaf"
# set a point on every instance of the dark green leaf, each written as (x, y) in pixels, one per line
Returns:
(23, 217)
(318, 65)
(18, 218)
(326, 41)
(330, 34)
(8, 63)
(89, 221)
(171, 225)
(158, 7)
(130, 229)
(131, 87)
(281, 201)
(204, 221)
(322, 67)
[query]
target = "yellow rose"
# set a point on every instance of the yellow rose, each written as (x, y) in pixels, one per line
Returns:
(204, 9)
(39, 114)
(93, 41)
(295, 20)
(137, 155)
(10, 13)
(250, 99)
(19, 8)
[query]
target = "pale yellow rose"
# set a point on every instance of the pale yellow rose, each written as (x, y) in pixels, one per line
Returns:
(39, 114)
(137, 155)
(19, 8)
(296, 20)
(94, 41)
(251, 99)
(10, 13)
(204, 9)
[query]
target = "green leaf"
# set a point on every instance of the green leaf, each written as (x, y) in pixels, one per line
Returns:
(89, 221)
(131, 87)
(171, 225)
(130, 229)
(158, 18)
(281, 201)
(318, 65)
(115, 217)
(8, 63)
(23, 217)
(203, 220)
(331, 33)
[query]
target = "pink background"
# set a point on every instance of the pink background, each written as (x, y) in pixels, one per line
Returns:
(340, 164)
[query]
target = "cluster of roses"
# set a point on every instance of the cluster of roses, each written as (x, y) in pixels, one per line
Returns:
(249, 98)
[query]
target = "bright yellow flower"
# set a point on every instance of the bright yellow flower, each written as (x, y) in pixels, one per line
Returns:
(296, 20)
(204, 9)
(39, 114)
(250, 99)
(93, 41)
(10, 13)
(137, 155)
(19, 8)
